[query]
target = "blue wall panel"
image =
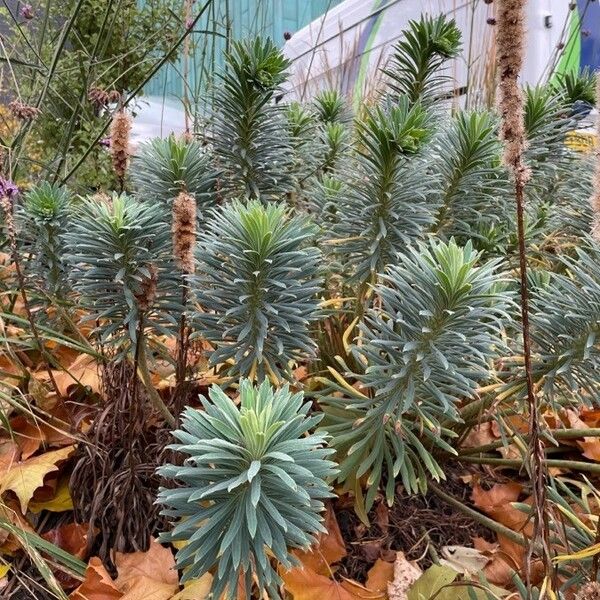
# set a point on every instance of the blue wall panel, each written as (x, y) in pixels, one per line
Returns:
(242, 18)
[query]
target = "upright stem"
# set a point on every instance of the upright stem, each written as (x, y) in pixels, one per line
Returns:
(154, 396)
(510, 40)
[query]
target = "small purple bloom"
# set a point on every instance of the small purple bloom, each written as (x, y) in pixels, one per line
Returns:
(287, 36)
(27, 12)
(8, 188)
(105, 142)
(189, 23)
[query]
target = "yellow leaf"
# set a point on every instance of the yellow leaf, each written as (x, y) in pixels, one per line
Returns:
(199, 589)
(61, 502)
(4, 569)
(585, 553)
(25, 477)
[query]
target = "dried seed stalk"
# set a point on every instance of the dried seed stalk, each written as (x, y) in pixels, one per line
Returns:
(510, 43)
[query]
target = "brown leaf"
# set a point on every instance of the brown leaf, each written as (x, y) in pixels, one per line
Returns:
(382, 517)
(405, 575)
(305, 584)
(379, 575)
(328, 550)
(589, 445)
(28, 436)
(480, 435)
(97, 584)
(71, 537)
(142, 587)
(500, 568)
(82, 371)
(157, 564)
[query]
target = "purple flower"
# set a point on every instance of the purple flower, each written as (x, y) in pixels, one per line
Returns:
(27, 12)
(189, 23)
(105, 142)
(8, 188)
(287, 35)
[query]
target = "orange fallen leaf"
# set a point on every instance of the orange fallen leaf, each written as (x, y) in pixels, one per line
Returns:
(305, 584)
(25, 477)
(97, 584)
(379, 575)
(82, 371)
(28, 436)
(157, 564)
(328, 550)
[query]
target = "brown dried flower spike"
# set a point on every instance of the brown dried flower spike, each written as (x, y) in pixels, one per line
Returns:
(184, 231)
(596, 194)
(510, 43)
(147, 293)
(119, 143)
(22, 111)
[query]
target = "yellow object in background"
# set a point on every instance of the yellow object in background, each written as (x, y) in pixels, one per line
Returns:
(582, 141)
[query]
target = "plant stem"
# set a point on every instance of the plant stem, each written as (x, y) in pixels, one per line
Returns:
(518, 464)
(154, 396)
(559, 434)
(498, 528)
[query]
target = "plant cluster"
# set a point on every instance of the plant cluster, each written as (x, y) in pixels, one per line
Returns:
(367, 261)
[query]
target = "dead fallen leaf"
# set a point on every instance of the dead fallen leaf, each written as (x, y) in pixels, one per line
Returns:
(406, 573)
(500, 568)
(328, 550)
(199, 589)
(142, 587)
(157, 564)
(379, 576)
(97, 584)
(60, 501)
(305, 584)
(589, 445)
(28, 436)
(25, 477)
(82, 371)
(71, 537)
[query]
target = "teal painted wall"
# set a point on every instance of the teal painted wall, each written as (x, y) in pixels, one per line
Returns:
(238, 18)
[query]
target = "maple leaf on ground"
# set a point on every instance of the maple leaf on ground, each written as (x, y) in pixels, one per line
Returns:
(147, 575)
(379, 576)
(97, 584)
(157, 563)
(328, 550)
(305, 584)
(497, 504)
(25, 477)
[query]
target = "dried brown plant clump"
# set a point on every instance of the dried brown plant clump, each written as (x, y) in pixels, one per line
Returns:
(510, 43)
(119, 143)
(113, 483)
(100, 97)
(23, 112)
(590, 591)
(596, 194)
(184, 231)
(147, 293)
